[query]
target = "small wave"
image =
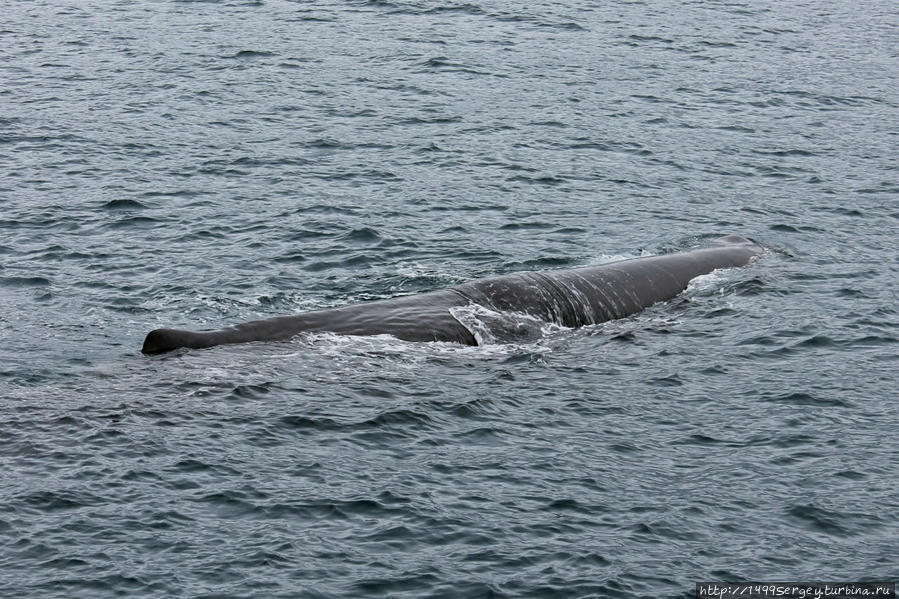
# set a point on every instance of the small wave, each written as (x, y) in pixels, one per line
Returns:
(230, 505)
(709, 44)
(816, 341)
(805, 99)
(749, 287)
(469, 9)
(481, 408)
(251, 54)
(785, 153)
(442, 63)
(194, 466)
(438, 120)
(661, 529)
(249, 392)
(123, 204)
(517, 226)
(318, 423)
(52, 501)
(363, 236)
(24, 282)
(280, 161)
(667, 381)
(847, 211)
(351, 262)
(292, 257)
(544, 180)
(134, 222)
(126, 305)
(838, 524)
(400, 421)
(650, 38)
(803, 398)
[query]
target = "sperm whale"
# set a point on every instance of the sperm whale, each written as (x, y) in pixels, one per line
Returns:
(570, 297)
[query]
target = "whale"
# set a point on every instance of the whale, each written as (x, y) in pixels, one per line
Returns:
(572, 297)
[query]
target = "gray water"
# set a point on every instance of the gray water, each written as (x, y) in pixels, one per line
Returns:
(199, 164)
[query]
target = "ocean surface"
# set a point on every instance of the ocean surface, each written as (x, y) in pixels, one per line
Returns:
(200, 164)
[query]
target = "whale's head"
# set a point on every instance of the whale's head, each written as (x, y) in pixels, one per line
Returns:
(160, 341)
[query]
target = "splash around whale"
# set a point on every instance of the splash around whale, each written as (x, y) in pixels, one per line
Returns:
(570, 297)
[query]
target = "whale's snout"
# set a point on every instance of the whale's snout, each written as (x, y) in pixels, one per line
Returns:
(159, 341)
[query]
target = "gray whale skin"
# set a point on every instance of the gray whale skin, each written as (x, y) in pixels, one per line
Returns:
(570, 297)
